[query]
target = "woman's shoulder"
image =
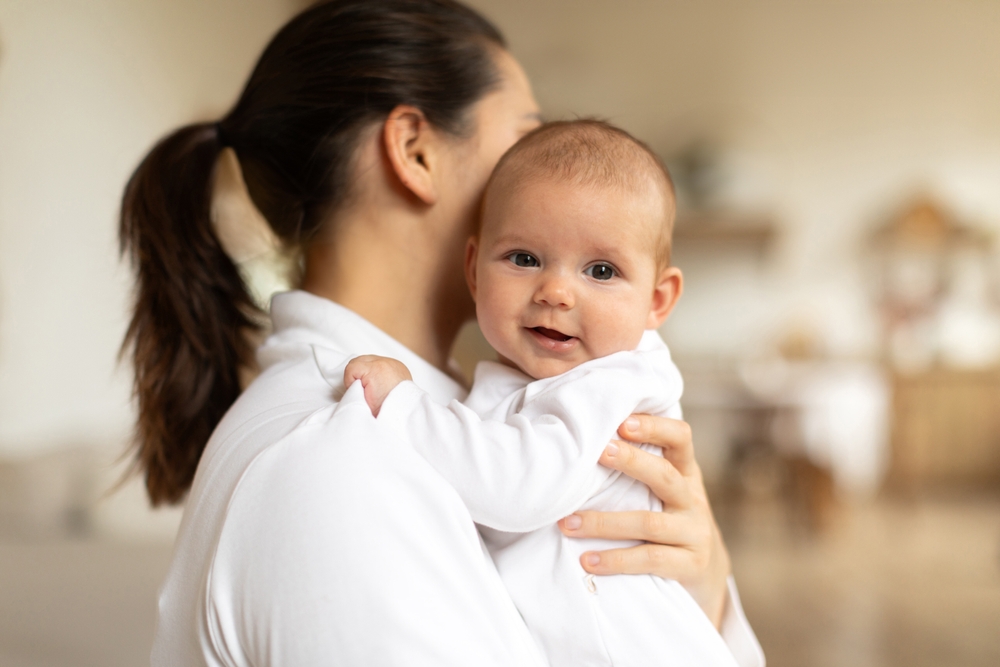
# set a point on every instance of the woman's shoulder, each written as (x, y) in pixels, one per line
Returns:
(315, 496)
(284, 508)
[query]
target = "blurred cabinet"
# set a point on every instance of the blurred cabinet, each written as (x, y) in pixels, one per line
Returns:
(946, 429)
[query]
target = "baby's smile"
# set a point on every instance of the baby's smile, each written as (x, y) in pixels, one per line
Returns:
(552, 333)
(553, 340)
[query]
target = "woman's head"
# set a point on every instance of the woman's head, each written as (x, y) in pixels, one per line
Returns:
(336, 69)
(393, 251)
(327, 77)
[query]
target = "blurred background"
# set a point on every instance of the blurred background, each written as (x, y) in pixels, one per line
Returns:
(838, 168)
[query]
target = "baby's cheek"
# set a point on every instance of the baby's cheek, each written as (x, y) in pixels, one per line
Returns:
(603, 345)
(492, 332)
(619, 332)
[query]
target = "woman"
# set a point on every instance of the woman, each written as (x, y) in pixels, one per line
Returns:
(365, 136)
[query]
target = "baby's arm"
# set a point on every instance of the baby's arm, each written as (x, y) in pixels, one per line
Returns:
(541, 463)
(378, 375)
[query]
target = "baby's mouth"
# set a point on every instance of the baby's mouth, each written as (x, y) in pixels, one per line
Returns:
(553, 334)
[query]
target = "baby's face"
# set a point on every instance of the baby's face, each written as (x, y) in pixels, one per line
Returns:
(563, 273)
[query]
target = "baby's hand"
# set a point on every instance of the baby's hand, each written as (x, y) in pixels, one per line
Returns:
(378, 375)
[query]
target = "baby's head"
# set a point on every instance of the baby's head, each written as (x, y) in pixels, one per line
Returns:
(572, 258)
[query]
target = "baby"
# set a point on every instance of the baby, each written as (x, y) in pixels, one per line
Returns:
(571, 277)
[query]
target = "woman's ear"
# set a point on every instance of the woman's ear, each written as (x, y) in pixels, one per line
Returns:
(666, 292)
(471, 257)
(410, 142)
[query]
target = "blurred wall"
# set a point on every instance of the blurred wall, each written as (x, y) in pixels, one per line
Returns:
(85, 89)
(823, 116)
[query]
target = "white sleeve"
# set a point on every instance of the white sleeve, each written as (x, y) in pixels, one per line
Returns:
(541, 463)
(737, 633)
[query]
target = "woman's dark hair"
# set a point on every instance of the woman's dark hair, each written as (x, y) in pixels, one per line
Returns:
(332, 70)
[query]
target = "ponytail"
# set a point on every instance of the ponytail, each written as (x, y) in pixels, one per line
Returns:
(192, 314)
(338, 67)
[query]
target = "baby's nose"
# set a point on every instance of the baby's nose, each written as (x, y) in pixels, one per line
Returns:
(555, 291)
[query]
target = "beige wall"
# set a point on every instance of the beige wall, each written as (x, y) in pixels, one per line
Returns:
(85, 88)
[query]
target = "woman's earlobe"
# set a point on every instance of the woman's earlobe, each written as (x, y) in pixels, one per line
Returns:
(408, 139)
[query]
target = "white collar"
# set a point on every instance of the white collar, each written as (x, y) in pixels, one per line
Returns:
(300, 318)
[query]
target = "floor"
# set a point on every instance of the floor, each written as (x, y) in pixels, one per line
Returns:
(897, 583)
(893, 584)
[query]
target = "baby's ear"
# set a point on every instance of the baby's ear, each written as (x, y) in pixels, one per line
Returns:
(471, 257)
(666, 292)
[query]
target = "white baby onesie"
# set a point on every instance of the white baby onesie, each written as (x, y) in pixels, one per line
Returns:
(522, 454)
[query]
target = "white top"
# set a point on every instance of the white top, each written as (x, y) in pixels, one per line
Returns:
(312, 536)
(522, 454)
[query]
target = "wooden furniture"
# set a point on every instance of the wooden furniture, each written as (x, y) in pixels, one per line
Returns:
(722, 229)
(946, 429)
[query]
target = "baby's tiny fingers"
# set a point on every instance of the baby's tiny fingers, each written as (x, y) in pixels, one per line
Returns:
(352, 373)
(357, 368)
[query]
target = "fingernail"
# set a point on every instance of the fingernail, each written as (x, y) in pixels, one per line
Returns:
(572, 522)
(632, 424)
(611, 449)
(592, 559)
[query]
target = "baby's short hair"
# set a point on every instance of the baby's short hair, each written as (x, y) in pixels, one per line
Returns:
(586, 152)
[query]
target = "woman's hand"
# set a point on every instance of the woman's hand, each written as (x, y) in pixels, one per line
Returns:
(684, 541)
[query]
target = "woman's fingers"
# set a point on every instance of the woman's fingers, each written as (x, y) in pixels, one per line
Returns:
(656, 472)
(659, 527)
(665, 561)
(672, 435)
(670, 557)
(683, 542)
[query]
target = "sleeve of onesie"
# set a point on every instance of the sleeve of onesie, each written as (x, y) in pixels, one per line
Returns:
(541, 463)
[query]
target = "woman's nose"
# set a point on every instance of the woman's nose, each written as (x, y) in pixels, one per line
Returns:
(555, 291)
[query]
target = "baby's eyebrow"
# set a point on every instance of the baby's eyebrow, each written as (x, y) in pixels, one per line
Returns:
(509, 240)
(610, 254)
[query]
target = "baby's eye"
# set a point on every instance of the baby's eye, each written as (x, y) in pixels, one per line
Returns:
(600, 272)
(523, 259)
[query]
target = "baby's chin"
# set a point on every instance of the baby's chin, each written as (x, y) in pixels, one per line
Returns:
(539, 368)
